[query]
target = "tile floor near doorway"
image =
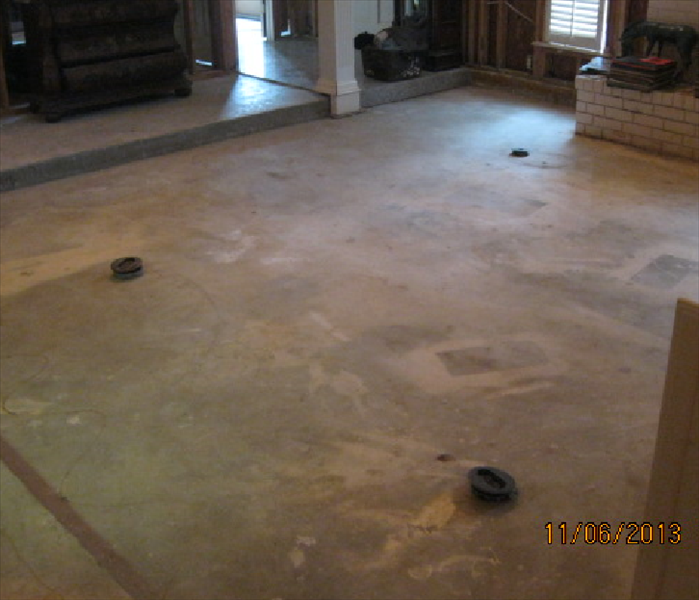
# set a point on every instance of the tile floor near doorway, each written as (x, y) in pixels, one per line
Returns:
(326, 309)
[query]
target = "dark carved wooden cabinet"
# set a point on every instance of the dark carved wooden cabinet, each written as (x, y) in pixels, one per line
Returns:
(85, 53)
(445, 35)
(444, 30)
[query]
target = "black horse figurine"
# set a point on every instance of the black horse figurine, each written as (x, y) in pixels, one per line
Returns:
(683, 36)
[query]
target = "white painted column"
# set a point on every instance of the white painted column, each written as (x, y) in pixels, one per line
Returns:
(336, 56)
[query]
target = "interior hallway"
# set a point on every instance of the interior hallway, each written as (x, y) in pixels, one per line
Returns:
(292, 61)
(326, 308)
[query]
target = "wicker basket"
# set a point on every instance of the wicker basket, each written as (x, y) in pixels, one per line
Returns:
(390, 65)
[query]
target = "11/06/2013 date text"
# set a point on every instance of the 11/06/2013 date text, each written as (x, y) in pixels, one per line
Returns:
(630, 532)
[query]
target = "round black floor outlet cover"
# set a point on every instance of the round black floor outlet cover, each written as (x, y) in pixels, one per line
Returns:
(494, 485)
(127, 267)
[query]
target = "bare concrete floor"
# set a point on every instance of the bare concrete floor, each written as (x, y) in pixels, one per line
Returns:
(326, 308)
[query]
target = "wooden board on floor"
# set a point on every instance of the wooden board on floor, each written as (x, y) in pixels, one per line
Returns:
(667, 571)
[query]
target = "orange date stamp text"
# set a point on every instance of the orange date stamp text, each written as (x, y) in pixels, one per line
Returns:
(631, 532)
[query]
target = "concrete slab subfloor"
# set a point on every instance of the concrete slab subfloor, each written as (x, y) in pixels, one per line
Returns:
(327, 308)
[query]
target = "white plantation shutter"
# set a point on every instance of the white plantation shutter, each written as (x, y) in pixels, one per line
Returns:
(577, 23)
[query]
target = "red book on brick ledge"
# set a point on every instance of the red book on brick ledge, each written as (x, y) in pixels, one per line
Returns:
(649, 63)
(643, 74)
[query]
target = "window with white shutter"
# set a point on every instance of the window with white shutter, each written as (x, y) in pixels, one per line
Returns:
(577, 23)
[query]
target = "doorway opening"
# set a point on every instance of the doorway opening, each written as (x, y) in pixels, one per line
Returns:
(277, 41)
(15, 83)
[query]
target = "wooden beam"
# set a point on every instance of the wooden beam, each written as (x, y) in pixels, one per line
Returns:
(5, 44)
(539, 61)
(468, 31)
(540, 21)
(188, 15)
(472, 33)
(483, 32)
(501, 34)
(223, 43)
(616, 21)
(4, 94)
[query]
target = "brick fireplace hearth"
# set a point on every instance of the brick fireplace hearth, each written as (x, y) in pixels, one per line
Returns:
(663, 121)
